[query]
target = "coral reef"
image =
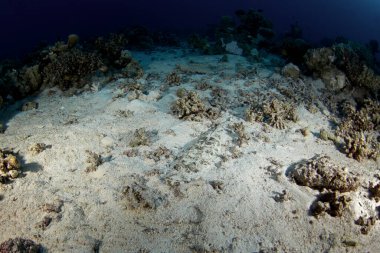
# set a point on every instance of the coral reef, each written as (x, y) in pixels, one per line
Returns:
(274, 113)
(110, 49)
(69, 68)
(321, 62)
(20, 245)
(320, 173)
(343, 64)
(9, 166)
(195, 41)
(358, 129)
(191, 107)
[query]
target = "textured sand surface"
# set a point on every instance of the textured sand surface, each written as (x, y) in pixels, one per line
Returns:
(207, 195)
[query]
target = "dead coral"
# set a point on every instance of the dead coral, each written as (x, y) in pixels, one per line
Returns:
(355, 60)
(173, 78)
(240, 131)
(29, 106)
(44, 223)
(9, 166)
(219, 98)
(366, 224)
(357, 146)
(358, 129)
(133, 70)
(320, 173)
(37, 148)
(331, 202)
(141, 137)
(20, 245)
(374, 191)
(159, 153)
(275, 113)
(139, 195)
(191, 107)
(93, 161)
(326, 136)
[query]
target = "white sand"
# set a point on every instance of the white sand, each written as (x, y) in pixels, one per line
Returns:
(189, 214)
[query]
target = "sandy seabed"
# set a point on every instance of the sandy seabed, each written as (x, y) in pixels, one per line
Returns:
(192, 188)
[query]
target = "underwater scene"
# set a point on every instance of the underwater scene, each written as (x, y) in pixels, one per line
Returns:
(244, 126)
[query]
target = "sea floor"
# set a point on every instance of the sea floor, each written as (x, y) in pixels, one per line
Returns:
(184, 186)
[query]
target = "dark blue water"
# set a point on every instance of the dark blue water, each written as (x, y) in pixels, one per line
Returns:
(25, 23)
